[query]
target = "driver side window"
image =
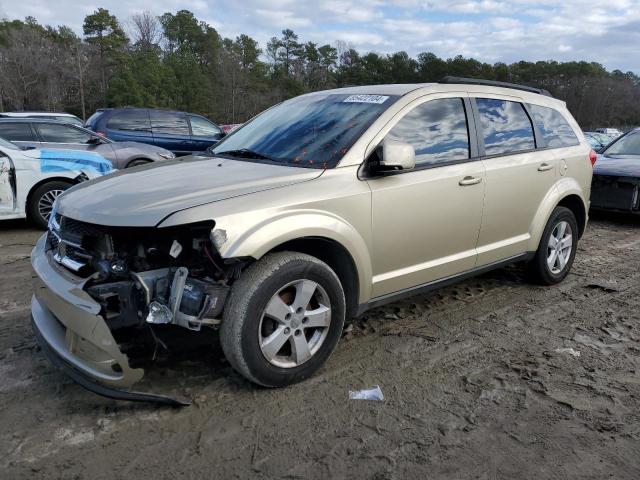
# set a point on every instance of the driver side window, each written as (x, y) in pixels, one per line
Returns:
(52, 133)
(437, 130)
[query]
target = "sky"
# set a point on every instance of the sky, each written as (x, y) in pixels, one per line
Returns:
(607, 32)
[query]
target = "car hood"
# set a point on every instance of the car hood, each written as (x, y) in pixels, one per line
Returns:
(618, 165)
(144, 196)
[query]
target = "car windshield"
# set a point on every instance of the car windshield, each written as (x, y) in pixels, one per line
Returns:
(7, 144)
(627, 145)
(313, 131)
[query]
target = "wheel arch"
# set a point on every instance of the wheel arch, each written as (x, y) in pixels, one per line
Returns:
(337, 257)
(567, 193)
(44, 181)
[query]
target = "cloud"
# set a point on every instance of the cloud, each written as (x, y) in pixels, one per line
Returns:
(490, 30)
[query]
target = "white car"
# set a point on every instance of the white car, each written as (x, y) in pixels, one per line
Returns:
(31, 180)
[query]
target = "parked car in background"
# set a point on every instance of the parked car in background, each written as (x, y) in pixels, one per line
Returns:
(616, 176)
(63, 117)
(31, 180)
(611, 132)
(230, 127)
(36, 132)
(597, 140)
(180, 132)
(320, 208)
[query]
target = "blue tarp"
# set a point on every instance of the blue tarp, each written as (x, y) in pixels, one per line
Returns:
(73, 160)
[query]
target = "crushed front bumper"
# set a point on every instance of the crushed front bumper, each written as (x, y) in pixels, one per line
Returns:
(73, 334)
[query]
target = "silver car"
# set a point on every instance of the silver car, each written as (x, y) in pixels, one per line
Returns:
(55, 134)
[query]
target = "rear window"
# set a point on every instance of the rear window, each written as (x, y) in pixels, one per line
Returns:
(129, 120)
(169, 123)
(553, 127)
(17, 132)
(506, 127)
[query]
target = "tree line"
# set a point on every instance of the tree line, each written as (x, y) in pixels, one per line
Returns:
(177, 61)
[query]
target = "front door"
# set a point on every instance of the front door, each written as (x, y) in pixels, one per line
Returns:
(426, 221)
(7, 185)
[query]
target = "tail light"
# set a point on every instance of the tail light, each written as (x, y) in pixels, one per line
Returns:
(593, 156)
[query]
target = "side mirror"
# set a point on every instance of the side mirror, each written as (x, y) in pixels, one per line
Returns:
(95, 140)
(396, 155)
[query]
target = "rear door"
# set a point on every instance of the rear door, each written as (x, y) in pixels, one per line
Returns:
(518, 176)
(203, 133)
(19, 133)
(426, 221)
(171, 131)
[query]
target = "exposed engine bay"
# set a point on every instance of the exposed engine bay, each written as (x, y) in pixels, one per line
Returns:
(147, 275)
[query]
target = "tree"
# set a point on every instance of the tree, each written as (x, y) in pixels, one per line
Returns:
(102, 30)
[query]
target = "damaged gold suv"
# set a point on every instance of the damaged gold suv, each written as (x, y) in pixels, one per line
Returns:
(314, 211)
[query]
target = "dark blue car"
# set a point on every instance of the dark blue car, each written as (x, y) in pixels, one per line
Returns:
(180, 132)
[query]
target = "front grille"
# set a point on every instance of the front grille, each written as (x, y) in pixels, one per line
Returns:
(69, 241)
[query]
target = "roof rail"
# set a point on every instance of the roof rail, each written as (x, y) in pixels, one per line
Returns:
(494, 83)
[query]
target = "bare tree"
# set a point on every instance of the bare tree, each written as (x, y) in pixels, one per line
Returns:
(146, 31)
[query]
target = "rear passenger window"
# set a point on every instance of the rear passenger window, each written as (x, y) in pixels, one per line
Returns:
(169, 122)
(555, 130)
(129, 120)
(437, 129)
(506, 127)
(17, 132)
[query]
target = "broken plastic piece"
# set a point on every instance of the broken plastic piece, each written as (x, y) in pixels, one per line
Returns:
(176, 249)
(373, 393)
(570, 351)
(159, 313)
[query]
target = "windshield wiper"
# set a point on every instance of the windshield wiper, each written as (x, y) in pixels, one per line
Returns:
(245, 153)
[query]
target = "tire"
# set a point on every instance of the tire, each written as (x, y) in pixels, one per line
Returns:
(281, 280)
(41, 201)
(545, 269)
(137, 162)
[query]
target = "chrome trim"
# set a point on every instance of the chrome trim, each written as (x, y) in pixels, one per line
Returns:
(68, 262)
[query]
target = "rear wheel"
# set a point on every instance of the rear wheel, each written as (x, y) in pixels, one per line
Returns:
(41, 202)
(138, 162)
(557, 248)
(283, 319)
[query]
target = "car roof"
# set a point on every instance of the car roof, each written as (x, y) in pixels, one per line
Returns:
(417, 89)
(36, 114)
(35, 120)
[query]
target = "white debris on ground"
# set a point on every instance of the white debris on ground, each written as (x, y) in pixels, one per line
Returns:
(570, 351)
(373, 393)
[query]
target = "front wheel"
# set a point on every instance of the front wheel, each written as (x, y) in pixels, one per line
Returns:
(41, 202)
(283, 319)
(557, 248)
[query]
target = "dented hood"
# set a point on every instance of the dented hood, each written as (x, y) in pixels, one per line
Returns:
(144, 196)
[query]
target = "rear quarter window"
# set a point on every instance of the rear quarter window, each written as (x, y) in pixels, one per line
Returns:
(553, 127)
(129, 120)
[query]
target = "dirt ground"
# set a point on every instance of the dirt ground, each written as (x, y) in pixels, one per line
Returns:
(489, 378)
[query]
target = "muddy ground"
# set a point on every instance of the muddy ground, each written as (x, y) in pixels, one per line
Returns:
(489, 378)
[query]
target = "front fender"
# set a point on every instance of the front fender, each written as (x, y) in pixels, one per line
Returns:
(561, 189)
(255, 237)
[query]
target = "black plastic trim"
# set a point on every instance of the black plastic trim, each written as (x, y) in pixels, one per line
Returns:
(427, 287)
(493, 83)
(96, 387)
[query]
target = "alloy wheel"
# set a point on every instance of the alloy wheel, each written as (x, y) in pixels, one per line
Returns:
(294, 324)
(45, 204)
(559, 247)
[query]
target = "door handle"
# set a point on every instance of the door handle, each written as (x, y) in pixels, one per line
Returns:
(466, 181)
(544, 167)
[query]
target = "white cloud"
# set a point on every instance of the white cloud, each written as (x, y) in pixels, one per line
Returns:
(490, 30)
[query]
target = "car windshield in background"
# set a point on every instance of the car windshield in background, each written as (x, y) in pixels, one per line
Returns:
(313, 131)
(627, 145)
